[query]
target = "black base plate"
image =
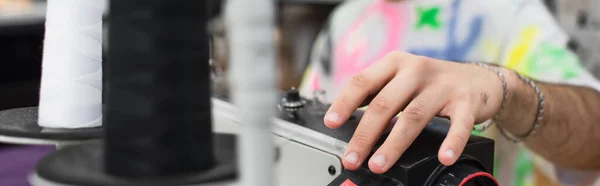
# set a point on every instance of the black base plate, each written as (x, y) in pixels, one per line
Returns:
(83, 165)
(20, 126)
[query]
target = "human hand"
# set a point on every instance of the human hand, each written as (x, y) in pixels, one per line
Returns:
(421, 88)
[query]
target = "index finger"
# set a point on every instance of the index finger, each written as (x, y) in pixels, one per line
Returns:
(367, 82)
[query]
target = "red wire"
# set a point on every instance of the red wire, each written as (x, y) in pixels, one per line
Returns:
(477, 174)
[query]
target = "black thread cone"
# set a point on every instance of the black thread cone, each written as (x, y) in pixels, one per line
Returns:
(158, 119)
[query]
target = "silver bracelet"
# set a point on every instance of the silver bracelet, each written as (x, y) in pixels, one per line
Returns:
(481, 127)
(539, 115)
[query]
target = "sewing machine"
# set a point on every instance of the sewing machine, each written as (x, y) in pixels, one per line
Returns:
(308, 149)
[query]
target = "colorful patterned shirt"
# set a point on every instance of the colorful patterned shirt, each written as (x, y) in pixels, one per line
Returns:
(519, 34)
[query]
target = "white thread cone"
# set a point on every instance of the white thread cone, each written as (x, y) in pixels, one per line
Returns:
(71, 85)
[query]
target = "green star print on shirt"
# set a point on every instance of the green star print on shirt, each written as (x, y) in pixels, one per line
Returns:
(428, 17)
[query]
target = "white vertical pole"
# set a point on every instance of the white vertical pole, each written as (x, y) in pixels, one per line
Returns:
(250, 28)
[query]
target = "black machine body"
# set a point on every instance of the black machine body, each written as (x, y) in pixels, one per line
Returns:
(419, 165)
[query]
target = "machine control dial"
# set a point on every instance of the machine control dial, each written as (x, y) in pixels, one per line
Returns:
(292, 102)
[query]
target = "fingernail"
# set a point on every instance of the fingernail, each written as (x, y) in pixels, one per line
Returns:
(379, 160)
(332, 116)
(449, 153)
(352, 157)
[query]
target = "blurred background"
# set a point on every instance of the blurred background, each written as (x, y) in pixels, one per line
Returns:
(21, 36)
(22, 29)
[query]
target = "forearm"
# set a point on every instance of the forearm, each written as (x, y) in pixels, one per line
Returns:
(569, 131)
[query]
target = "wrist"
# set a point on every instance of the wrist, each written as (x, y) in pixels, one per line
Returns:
(520, 110)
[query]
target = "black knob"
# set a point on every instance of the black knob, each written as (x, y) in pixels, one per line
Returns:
(293, 95)
(292, 101)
